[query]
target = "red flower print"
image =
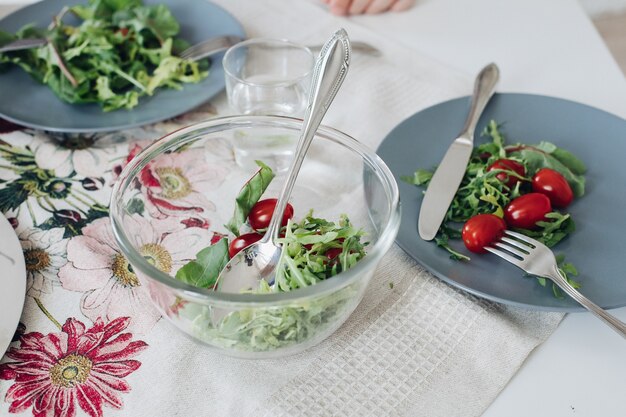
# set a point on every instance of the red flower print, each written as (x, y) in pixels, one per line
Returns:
(53, 373)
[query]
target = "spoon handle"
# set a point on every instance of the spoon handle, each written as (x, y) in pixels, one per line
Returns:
(330, 70)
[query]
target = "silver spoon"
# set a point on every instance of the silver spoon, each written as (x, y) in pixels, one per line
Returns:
(259, 260)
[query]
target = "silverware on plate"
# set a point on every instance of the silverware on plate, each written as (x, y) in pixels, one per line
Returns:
(537, 259)
(447, 178)
(195, 52)
(23, 44)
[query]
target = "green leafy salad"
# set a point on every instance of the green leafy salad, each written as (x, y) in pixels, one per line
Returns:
(314, 250)
(519, 187)
(121, 50)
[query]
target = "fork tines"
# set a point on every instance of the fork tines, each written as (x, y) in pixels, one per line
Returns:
(512, 250)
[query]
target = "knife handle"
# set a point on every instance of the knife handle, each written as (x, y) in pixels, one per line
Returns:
(484, 87)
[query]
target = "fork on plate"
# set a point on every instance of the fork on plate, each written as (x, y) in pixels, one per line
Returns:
(537, 259)
(195, 52)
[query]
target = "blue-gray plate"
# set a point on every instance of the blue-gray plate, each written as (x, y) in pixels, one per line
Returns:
(597, 247)
(26, 102)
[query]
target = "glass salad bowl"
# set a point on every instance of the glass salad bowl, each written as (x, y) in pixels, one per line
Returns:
(174, 198)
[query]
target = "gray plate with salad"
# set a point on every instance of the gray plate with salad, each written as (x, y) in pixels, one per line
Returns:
(120, 62)
(545, 138)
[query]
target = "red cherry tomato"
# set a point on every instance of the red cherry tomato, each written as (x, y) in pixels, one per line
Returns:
(554, 185)
(525, 211)
(261, 214)
(242, 242)
(332, 253)
(481, 230)
(511, 165)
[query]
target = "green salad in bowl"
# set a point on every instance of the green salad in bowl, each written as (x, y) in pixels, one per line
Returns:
(183, 207)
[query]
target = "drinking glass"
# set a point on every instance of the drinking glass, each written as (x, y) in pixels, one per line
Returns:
(267, 77)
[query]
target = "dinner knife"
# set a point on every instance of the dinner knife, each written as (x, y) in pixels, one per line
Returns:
(447, 178)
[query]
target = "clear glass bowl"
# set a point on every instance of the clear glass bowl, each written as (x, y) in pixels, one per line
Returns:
(174, 196)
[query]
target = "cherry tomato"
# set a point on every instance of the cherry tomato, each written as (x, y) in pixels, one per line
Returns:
(332, 253)
(511, 165)
(481, 230)
(551, 183)
(242, 242)
(525, 211)
(261, 214)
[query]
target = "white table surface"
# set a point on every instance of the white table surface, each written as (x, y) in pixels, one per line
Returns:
(550, 48)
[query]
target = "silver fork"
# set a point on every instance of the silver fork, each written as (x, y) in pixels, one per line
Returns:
(210, 46)
(23, 44)
(537, 259)
(195, 52)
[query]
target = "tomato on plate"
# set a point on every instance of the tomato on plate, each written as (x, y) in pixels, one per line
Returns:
(510, 165)
(554, 185)
(481, 230)
(261, 214)
(242, 242)
(525, 211)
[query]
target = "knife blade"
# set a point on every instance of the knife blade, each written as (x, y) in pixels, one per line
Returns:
(449, 174)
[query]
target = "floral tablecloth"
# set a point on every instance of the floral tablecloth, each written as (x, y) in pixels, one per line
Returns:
(54, 190)
(90, 342)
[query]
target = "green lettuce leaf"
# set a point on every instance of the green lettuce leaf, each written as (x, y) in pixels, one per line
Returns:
(204, 270)
(249, 195)
(547, 155)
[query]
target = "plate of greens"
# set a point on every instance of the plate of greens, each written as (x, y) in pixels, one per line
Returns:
(586, 145)
(109, 64)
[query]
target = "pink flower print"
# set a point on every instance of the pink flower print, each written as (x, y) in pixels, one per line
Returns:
(77, 366)
(111, 288)
(177, 184)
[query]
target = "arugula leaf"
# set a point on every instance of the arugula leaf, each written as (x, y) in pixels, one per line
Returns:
(442, 239)
(210, 261)
(554, 230)
(249, 195)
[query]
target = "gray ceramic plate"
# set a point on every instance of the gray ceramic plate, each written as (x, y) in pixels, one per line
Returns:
(597, 247)
(24, 101)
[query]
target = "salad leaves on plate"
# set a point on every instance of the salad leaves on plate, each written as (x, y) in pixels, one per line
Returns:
(121, 50)
(482, 192)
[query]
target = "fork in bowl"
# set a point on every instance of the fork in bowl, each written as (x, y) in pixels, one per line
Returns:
(537, 259)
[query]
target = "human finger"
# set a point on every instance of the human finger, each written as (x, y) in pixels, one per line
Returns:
(378, 6)
(339, 7)
(358, 6)
(402, 5)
